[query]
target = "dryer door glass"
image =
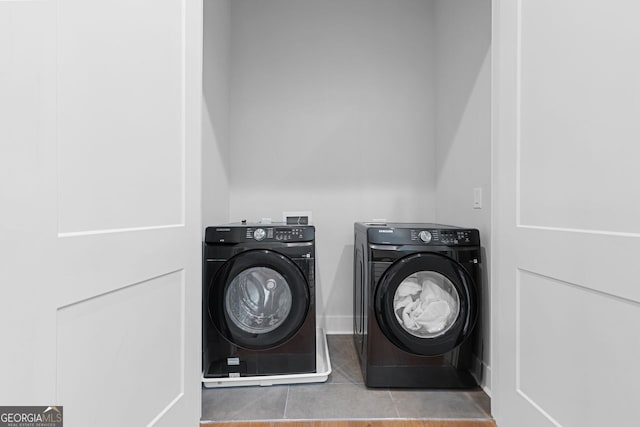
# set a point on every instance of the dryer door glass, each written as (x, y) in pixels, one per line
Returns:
(258, 300)
(426, 304)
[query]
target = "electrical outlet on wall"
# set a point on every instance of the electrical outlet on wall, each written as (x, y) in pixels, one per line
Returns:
(297, 217)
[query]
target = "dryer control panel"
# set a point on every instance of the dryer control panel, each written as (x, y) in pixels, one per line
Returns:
(444, 237)
(451, 236)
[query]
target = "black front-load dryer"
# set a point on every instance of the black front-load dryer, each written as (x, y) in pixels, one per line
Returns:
(259, 300)
(416, 298)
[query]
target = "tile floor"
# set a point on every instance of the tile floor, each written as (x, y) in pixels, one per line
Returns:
(343, 396)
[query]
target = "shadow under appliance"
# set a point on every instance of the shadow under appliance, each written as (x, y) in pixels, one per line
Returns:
(258, 301)
(416, 298)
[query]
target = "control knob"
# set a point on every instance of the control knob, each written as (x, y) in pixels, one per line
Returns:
(259, 234)
(425, 236)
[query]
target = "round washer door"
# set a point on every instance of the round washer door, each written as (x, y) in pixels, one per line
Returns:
(258, 299)
(426, 304)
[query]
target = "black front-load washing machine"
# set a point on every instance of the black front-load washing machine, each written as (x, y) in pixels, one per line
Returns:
(416, 297)
(259, 300)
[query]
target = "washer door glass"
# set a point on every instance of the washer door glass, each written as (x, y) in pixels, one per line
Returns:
(258, 300)
(426, 304)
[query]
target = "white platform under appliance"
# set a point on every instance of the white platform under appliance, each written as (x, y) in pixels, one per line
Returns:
(323, 369)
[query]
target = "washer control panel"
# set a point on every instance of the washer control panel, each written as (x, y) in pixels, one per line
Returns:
(282, 234)
(260, 233)
(287, 234)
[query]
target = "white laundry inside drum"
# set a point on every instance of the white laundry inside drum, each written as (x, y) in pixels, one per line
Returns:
(426, 304)
(258, 300)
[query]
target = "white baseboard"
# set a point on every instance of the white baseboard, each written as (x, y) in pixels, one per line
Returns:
(334, 325)
(485, 381)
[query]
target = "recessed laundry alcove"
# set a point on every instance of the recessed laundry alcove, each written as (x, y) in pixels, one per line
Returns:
(354, 110)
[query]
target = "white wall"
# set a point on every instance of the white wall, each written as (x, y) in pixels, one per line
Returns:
(463, 126)
(215, 126)
(332, 110)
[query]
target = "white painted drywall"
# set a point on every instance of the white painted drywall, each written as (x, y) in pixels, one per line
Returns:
(332, 111)
(463, 127)
(215, 112)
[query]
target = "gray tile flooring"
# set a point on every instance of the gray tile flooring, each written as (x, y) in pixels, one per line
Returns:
(343, 396)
